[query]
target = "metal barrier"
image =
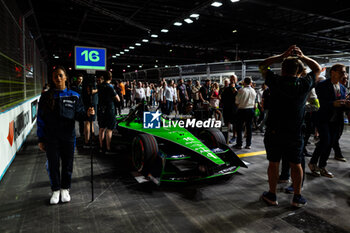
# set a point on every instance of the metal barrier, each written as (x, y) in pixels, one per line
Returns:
(218, 71)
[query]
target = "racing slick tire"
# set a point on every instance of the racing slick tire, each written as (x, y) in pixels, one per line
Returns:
(144, 151)
(212, 138)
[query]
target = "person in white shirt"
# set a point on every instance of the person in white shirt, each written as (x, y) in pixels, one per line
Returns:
(168, 98)
(161, 96)
(139, 93)
(245, 101)
(148, 93)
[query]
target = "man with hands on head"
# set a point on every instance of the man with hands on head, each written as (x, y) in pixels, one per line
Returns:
(283, 137)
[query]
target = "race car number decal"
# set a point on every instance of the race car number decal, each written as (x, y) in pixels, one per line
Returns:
(199, 147)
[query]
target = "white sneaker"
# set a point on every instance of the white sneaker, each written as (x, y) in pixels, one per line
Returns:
(55, 198)
(65, 197)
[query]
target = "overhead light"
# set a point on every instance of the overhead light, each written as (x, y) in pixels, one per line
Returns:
(154, 35)
(164, 30)
(131, 47)
(122, 52)
(123, 70)
(56, 57)
(140, 66)
(114, 56)
(166, 66)
(111, 70)
(137, 44)
(188, 20)
(234, 31)
(235, 0)
(178, 24)
(194, 15)
(128, 66)
(216, 4)
(170, 50)
(70, 68)
(145, 40)
(117, 54)
(155, 66)
(126, 50)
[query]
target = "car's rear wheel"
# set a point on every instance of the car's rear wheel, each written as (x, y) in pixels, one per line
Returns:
(212, 138)
(144, 152)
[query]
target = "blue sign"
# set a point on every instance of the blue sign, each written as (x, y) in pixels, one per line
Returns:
(90, 58)
(151, 120)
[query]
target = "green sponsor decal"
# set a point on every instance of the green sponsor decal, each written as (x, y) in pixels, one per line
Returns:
(91, 67)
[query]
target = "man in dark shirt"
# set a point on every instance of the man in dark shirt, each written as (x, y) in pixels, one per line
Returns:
(228, 100)
(204, 92)
(265, 105)
(283, 137)
(106, 112)
(182, 95)
(189, 90)
(128, 93)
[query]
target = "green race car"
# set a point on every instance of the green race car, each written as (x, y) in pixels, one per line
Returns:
(172, 153)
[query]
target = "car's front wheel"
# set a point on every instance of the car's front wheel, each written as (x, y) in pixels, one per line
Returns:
(144, 151)
(212, 138)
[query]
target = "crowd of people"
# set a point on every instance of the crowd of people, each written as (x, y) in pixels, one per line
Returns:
(288, 108)
(236, 104)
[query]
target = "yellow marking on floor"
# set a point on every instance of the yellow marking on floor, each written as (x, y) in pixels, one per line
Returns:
(263, 152)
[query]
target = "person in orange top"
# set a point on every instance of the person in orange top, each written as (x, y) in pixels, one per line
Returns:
(122, 87)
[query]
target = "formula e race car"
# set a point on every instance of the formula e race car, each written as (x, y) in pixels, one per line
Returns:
(171, 153)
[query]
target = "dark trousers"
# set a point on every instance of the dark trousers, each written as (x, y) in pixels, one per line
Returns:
(57, 152)
(245, 116)
(81, 128)
(182, 106)
(128, 101)
(169, 107)
(138, 100)
(336, 147)
(329, 134)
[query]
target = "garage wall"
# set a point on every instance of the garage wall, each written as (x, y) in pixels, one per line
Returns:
(22, 75)
(15, 125)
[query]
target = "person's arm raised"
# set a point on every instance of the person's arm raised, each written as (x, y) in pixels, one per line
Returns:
(314, 66)
(275, 59)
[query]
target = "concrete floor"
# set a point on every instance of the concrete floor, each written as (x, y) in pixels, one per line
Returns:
(123, 205)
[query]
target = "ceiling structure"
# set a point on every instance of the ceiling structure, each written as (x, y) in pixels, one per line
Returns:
(247, 29)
